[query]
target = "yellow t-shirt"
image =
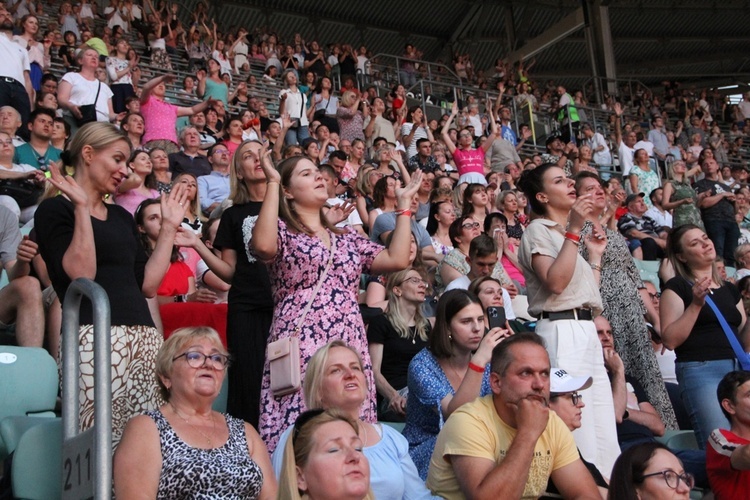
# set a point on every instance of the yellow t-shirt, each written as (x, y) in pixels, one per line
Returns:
(476, 430)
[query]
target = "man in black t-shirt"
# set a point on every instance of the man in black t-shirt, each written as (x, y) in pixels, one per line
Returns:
(716, 201)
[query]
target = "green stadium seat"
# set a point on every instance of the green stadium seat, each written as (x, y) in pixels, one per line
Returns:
(37, 472)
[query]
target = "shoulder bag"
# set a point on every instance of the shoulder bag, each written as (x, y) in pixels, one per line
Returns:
(283, 355)
(88, 111)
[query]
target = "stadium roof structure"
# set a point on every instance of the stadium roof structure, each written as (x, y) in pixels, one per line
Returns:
(697, 42)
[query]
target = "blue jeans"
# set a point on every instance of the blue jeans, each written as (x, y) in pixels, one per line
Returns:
(698, 381)
(724, 234)
(296, 135)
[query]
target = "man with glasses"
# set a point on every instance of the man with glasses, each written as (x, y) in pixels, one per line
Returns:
(509, 441)
(637, 419)
(728, 453)
(213, 188)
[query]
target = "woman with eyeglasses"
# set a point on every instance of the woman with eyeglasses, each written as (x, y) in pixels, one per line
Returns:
(469, 162)
(625, 300)
(568, 404)
(81, 236)
(185, 449)
(563, 292)
(454, 264)
(394, 338)
(649, 471)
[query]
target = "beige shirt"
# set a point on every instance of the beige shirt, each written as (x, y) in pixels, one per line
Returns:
(545, 237)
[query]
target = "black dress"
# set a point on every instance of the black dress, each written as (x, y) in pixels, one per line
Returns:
(249, 314)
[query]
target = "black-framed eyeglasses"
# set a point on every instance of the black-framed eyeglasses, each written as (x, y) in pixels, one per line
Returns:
(655, 296)
(302, 420)
(197, 359)
(471, 225)
(415, 281)
(575, 398)
(673, 479)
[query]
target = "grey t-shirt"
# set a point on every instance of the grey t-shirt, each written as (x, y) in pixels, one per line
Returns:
(387, 222)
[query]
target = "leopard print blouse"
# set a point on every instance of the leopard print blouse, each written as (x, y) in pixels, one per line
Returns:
(226, 472)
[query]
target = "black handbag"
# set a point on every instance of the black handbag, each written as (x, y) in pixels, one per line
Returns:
(88, 111)
(26, 193)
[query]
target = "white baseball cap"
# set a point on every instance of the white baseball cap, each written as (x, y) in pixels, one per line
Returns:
(561, 382)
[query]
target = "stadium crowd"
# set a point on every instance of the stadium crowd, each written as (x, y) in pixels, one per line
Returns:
(439, 270)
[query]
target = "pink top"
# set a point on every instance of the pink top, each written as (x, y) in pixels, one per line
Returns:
(160, 119)
(471, 160)
(129, 200)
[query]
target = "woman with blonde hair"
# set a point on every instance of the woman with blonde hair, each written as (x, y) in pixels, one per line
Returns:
(679, 196)
(185, 449)
(350, 119)
(335, 382)
(363, 189)
(395, 337)
(250, 303)
(311, 470)
(194, 217)
(81, 236)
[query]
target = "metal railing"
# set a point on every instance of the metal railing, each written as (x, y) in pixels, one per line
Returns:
(94, 446)
(389, 67)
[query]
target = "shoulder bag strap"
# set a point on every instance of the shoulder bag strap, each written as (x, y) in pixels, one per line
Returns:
(98, 89)
(317, 287)
(742, 356)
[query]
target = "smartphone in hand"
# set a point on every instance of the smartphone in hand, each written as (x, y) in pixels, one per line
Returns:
(496, 317)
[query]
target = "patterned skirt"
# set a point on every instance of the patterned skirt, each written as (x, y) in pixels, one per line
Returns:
(133, 372)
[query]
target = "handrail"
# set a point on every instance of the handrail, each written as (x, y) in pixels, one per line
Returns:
(81, 287)
(375, 65)
(600, 83)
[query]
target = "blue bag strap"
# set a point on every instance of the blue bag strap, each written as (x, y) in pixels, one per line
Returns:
(742, 356)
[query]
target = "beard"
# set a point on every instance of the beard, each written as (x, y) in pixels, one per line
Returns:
(6, 26)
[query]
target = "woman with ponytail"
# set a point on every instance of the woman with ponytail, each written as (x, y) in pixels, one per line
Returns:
(81, 236)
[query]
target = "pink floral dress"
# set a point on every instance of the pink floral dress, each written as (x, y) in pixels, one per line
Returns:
(334, 313)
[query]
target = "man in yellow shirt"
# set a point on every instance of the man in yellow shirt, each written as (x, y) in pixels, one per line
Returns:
(508, 444)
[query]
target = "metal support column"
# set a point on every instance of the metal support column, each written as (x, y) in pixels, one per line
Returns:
(599, 41)
(81, 449)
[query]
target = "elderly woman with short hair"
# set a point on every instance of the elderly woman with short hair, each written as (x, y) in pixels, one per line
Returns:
(185, 449)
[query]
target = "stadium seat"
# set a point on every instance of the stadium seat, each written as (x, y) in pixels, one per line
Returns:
(36, 473)
(220, 403)
(28, 386)
(731, 272)
(399, 426)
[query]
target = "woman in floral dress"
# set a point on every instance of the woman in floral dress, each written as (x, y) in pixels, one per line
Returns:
(296, 239)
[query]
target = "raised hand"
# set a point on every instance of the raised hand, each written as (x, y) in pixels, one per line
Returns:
(272, 175)
(185, 238)
(67, 186)
(339, 213)
(406, 193)
(174, 206)
(596, 242)
(580, 212)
